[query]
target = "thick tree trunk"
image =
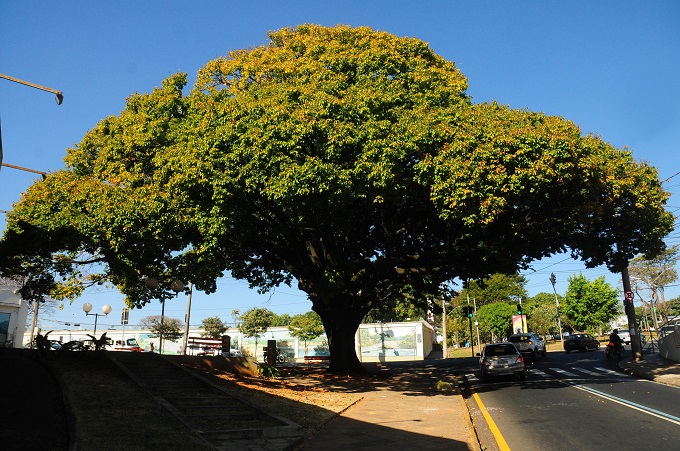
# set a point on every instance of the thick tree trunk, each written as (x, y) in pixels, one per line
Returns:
(341, 324)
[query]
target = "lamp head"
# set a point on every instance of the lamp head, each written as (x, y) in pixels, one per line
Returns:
(87, 307)
(151, 283)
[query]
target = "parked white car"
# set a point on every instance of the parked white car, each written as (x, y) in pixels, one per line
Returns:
(529, 345)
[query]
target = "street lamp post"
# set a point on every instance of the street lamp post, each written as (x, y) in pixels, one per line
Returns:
(87, 308)
(176, 286)
(553, 280)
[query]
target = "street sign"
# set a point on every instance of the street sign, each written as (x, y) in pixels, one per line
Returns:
(629, 295)
(125, 316)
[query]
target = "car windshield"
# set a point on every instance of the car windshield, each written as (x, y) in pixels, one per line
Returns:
(578, 336)
(516, 338)
(491, 351)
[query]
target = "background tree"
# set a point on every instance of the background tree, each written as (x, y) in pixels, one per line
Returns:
(590, 305)
(497, 288)
(495, 321)
(213, 327)
(169, 328)
(542, 319)
(649, 277)
(255, 322)
(281, 320)
(306, 327)
(404, 308)
(347, 160)
(235, 314)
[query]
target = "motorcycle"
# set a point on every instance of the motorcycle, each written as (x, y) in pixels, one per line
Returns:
(612, 352)
(280, 356)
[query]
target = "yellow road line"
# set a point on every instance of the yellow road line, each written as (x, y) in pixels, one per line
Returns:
(494, 429)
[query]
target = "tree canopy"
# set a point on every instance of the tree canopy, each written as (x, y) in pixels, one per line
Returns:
(589, 305)
(347, 160)
(213, 327)
(255, 322)
(306, 327)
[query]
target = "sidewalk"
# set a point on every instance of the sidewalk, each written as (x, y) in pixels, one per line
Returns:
(653, 367)
(410, 411)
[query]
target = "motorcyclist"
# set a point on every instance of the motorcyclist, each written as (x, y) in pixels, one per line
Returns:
(614, 338)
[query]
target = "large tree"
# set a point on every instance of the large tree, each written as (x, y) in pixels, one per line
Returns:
(589, 305)
(350, 161)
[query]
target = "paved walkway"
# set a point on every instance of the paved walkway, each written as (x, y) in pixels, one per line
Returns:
(419, 407)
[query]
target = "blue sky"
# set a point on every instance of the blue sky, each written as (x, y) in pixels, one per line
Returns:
(609, 66)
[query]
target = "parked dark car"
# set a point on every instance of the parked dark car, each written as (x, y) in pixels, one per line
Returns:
(499, 359)
(580, 342)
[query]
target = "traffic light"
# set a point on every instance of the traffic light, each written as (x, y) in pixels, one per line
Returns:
(519, 309)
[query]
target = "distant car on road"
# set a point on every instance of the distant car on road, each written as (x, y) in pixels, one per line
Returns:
(127, 345)
(580, 342)
(235, 353)
(529, 344)
(624, 334)
(500, 359)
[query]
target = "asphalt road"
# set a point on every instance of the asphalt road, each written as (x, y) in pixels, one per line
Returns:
(574, 401)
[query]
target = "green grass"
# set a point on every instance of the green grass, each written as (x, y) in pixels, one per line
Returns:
(112, 412)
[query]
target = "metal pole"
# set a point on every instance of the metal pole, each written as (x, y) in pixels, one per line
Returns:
(36, 306)
(479, 342)
(472, 342)
(59, 94)
(160, 348)
(444, 346)
(553, 280)
(186, 320)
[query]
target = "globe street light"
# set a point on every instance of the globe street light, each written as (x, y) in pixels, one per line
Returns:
(87, 308)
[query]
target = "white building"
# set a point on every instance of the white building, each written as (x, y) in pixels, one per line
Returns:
(373, 342)
(13, 313)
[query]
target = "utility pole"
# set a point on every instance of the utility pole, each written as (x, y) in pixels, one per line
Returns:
(186, 320)
(479, 344)
(472, 342)
(553, 280)
(444, 345)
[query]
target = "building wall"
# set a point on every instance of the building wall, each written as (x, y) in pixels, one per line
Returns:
(13, 313)
(374, 342)
(669, 341)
